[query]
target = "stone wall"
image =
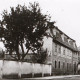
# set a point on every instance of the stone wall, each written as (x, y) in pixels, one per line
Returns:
(15, 69)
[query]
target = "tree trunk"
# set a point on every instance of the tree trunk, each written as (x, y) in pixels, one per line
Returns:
(25, 54)
(22, 49)
(17, 51)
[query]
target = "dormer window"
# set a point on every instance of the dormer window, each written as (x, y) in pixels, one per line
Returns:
(62, 36)
(68, 41)
(65, 39)
(59, 49)
(74, 45)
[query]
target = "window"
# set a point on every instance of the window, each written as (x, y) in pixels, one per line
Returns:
(55, 47)
(75, 67)
(70, 65)
(67, 52)
(64, 51)
(67, 66)
(63, 64)
(59, 64)
(55, 64)
(59, 49)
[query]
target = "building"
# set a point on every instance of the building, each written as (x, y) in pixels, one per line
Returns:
(62, 52)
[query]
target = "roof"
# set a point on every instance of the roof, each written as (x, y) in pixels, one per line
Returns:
(52, 26)
(59, 40)
(65, 44)
(64, 33)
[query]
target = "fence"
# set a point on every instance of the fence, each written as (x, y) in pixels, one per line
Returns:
(15, 69)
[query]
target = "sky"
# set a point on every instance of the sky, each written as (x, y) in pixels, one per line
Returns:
(66, 14)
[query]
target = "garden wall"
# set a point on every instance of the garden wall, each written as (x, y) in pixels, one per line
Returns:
(15, 69)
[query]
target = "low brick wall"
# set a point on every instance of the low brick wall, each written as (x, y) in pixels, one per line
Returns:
(15, 69)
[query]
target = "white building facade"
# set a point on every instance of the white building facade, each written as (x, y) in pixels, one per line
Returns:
(62, 52)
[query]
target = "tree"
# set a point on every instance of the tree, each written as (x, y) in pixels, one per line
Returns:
(40, 57)
(23, 27)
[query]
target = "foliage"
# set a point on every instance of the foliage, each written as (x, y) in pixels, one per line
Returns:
(40, 57)
(23, 27)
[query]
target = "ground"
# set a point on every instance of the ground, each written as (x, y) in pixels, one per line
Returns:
(70, 77)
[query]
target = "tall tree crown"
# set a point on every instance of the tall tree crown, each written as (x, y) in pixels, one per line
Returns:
(24, 26)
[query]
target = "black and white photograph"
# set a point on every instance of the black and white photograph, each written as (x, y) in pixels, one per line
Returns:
(39, 39)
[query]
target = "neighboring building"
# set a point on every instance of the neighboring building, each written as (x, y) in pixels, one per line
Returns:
(62, 52)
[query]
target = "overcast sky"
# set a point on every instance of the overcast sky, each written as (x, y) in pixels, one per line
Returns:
(66, 13)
